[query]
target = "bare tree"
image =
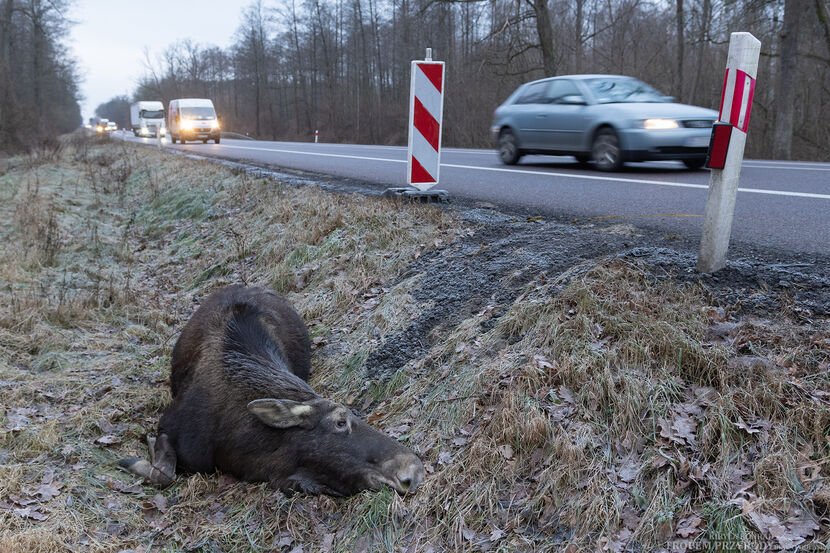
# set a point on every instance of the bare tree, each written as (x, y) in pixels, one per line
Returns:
(785, 85)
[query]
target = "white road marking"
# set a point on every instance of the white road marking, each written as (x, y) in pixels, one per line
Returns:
(753, 165)
(312, 153)
(643, 181)
(551, 174)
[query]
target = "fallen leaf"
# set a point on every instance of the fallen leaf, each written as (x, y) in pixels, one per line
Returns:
(630, 518)
(629, 471)
(799, 528)
(30, 512)
(160, 502)
(689, 526)
(46, 492)
(328, 542)
(121, 486)
(496, 535)
(684, 427)
(108, 439)
(444, 458)
(506, 451)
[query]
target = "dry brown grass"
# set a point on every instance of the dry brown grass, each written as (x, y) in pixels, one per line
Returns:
(605, 409)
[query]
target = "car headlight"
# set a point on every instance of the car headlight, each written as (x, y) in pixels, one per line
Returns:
(214, 126)
(660, 124)
(187, 125)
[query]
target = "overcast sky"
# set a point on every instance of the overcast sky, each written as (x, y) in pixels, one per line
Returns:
(109, 37)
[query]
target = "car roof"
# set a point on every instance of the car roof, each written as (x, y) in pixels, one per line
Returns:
(583, 77)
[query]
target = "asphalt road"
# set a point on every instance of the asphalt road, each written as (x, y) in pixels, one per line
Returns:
(780, 205)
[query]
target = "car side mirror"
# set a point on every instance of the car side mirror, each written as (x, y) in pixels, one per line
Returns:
(573, 99)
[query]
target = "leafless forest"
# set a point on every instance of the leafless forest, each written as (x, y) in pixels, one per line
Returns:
(38, 82)
(342, 66)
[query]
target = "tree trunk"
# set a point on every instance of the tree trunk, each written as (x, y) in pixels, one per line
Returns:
(785, 85)
(823, 13)
(578, 36)
(681, 39)
(545, 34)
(703, 41)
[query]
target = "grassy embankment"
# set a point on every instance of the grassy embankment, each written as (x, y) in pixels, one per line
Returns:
(618, 411)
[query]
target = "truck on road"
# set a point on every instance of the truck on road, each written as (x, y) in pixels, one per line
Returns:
(147, 118)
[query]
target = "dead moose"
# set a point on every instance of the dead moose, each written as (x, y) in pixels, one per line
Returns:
(241, 404)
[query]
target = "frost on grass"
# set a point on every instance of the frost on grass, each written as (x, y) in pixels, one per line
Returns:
(599, 409)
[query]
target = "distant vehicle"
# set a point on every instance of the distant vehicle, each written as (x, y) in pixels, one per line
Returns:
(147, 118)
(192, 119)
(609, 119)
(112, 126)
(102, 126)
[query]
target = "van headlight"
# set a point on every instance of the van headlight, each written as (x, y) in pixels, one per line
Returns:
(659, 124)
(215, 125)
(187, 125)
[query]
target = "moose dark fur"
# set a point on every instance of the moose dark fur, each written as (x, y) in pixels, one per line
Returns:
(241, 404)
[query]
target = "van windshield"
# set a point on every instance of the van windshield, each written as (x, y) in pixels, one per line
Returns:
(152, 113)
(198, 113)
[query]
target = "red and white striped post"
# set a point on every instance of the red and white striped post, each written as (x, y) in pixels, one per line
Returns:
(426, 110)
(726, 150)
(316, 133)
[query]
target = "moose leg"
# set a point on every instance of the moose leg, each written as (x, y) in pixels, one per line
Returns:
(161, 470)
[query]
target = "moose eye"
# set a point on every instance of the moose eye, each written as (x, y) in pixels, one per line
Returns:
(341, 423)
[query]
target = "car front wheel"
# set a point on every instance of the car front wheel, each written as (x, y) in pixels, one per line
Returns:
(509, 148)
(606, 150)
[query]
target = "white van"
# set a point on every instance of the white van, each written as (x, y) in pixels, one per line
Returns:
(192, 119)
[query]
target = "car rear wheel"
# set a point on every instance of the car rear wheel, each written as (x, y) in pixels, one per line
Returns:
(693, 164)
(509, 148)
(606, 150)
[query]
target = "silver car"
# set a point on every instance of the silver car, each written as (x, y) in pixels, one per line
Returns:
(609, 119)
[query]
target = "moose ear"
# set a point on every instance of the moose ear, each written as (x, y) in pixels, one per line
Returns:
(282, 413)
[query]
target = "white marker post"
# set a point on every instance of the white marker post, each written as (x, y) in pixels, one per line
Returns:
(316, 133)
(426, 110)
(726, 150)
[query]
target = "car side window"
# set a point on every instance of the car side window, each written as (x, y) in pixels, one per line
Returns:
(561, 88)
(535, 93)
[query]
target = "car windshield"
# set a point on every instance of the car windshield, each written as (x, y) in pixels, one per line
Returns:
(198, 113)
(152, 113)
(611, 90)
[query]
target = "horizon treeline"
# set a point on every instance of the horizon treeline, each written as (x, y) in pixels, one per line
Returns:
(342, 66)
(38, 80)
